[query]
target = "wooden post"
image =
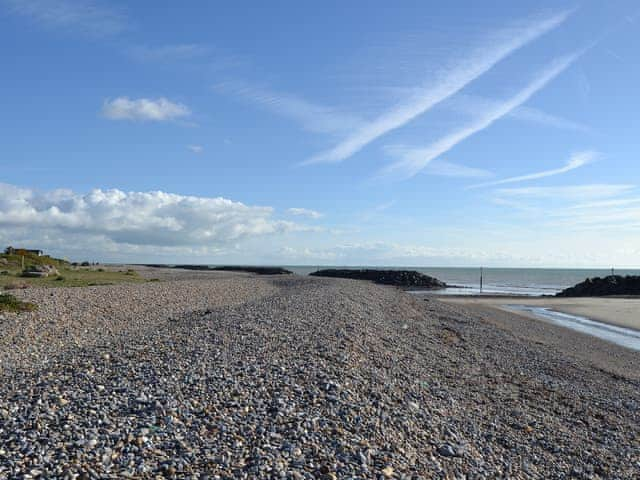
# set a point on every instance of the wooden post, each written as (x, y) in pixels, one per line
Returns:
(23, 262)
(481, 272)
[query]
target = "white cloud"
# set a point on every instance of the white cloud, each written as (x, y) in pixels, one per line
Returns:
(577, 160)
(161, 109)
(450, 169)
(604, 208)
(440, 168)
(537, 116)
(313, 117)
(392, 254)
(304, 212)
(416, 160)
(448, 83)
(197, 149)
(183, 51)
(618, 202)
(88, 16)
(568, 192)
(475, 105)
(135, 218)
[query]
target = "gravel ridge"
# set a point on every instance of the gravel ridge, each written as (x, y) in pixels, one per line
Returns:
(263, 377)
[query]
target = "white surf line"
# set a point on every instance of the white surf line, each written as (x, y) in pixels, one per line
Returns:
(625, 337)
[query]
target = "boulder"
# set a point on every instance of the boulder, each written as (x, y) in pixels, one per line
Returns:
(600, 287)
(40, 271)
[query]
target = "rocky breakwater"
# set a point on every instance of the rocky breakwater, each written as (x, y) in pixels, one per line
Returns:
(600, 287)
(398, 278)
(228, 268)
(256, 270)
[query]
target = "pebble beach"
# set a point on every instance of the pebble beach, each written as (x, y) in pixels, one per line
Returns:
(220, 375)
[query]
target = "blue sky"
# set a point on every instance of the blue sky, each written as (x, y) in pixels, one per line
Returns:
(474, 133)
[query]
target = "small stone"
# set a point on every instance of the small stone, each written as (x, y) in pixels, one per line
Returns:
(446, 450)
(388, 471)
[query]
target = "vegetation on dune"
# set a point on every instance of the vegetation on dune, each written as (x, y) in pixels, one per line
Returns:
(15, 272)
(15, 262)
(9, 303)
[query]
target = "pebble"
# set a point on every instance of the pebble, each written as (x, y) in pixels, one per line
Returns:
(294, 378)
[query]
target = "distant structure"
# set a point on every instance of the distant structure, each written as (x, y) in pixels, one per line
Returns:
(22, 251)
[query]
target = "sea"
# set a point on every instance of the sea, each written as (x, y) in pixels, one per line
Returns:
(495, 281)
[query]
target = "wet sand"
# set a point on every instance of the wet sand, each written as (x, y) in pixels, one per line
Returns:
(619, 311)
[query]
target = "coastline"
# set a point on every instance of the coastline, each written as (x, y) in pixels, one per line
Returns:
(618, 311)
(242, 376)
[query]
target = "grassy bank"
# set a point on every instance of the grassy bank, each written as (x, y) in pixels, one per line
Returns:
(69, 275)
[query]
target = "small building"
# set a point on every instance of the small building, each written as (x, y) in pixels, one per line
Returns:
(23, 251)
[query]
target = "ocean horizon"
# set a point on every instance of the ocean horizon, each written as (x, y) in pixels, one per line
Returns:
(533, 281)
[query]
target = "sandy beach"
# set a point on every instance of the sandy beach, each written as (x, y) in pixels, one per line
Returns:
(222, 375)
(623, 312)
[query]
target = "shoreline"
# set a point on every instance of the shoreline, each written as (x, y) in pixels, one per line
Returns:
(242, 376)
(617, 311)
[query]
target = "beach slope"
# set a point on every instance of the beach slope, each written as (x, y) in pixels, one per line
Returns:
(237, 376)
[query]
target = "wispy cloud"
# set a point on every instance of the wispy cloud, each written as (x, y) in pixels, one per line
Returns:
(88, 16)
(375, 211)
(160, 109)
(577, 160)
(197, 149)
(620, 202)
(474, 105)
(389, 253)
(568, 192)
(449, 82)
(183, 51)
(450, 169)
(597, 207)
(537, 116)
(608, 209)
(438, 167)
(416, 160)
(313, 117)
(304, 212)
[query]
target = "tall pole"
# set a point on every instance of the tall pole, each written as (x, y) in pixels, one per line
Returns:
(481, 272)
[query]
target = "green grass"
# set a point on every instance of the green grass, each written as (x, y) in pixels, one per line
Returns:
(69, 275)
(72, 277)
(9, 303)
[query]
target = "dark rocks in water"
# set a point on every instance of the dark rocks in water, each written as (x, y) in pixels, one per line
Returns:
(258, 270)
(600, 287)
(398, 278)
(227, 268)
